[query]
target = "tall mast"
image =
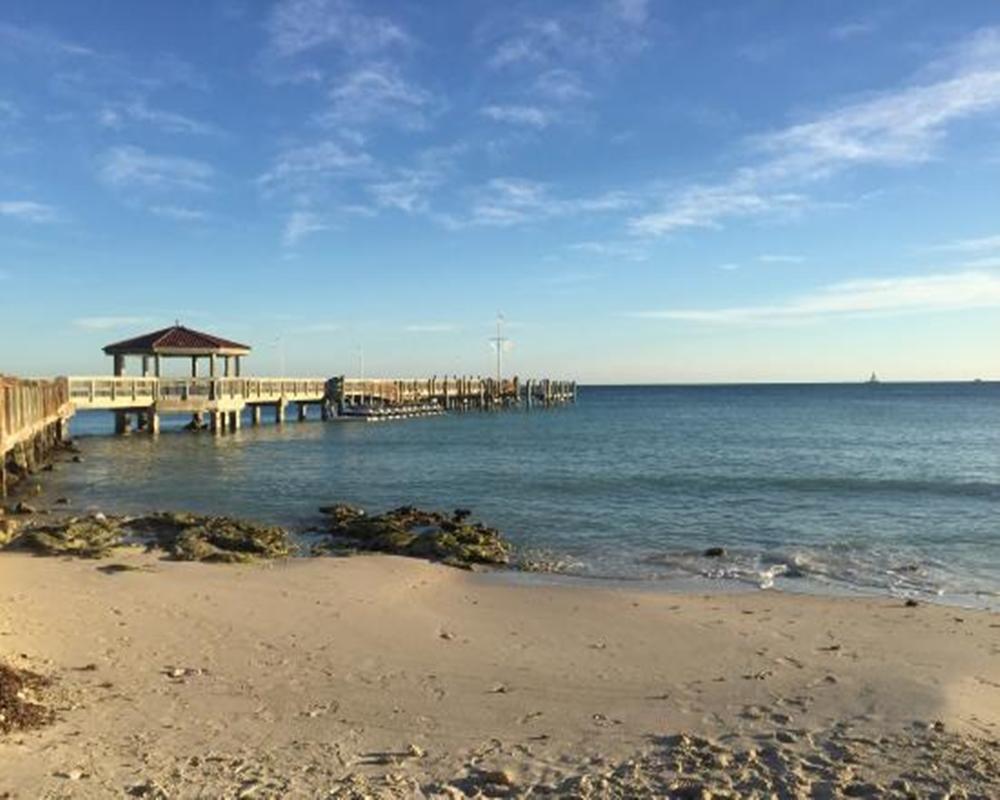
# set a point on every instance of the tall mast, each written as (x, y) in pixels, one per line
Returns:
(499, 341)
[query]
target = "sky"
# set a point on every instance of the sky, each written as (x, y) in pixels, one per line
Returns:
(649, 191)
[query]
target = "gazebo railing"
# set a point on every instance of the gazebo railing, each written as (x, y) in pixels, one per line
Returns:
(111, 392)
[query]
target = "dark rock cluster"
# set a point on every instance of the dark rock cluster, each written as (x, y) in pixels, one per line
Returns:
(449, 538)
(185, 537)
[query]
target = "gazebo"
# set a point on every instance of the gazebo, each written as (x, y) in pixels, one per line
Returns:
(179, 342)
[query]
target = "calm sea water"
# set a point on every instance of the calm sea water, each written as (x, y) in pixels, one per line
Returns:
(888, 488)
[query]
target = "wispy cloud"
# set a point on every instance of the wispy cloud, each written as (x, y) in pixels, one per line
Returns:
(117, 116)
(504, 202)
(304, 166)
(36, 42)
(132, 167)
(297, 26)
(179, 213)
(378, 93)
(708, 206)
(908, 294)
(629, 251)
(107, 323)
(28, 211)
(854, 29)
(301, 224)
(606, 31)
(892, 129)
(530, 116)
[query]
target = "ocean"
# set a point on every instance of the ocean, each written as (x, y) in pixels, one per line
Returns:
(883, 489)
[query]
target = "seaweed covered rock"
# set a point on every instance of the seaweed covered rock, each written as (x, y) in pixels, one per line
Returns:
(85, 537)
(409, 531)
(20, 708)
(194, 537)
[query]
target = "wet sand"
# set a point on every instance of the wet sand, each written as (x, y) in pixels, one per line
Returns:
(377, 676)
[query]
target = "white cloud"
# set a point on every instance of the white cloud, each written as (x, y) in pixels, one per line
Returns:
(853, 30)
(409, 192)
(908, 294)
(115, 116)
(37, 42)
(297, 26)
(617, 250)
(561, 84)
(504, 202)
(179, 213)
(707, 206)
(608, 31)
(378, 93)
(106, 323)
(530, 116)
(28, 211)
(299, 167)
(301, 224)
(890, 129)
(132, 167)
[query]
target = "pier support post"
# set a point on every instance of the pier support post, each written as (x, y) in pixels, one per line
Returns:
(255, 415)
(154, 423)
(216, 423)
(303, 412)
(279, 413)
(121, 422)
(234, 421)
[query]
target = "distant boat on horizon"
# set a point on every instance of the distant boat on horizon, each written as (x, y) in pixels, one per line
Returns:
(874, 379)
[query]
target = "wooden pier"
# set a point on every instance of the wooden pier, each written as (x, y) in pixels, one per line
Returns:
(33, 417)
(450, 392)
(34, 413)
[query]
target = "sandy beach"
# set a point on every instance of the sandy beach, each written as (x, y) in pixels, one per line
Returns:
(378, 676)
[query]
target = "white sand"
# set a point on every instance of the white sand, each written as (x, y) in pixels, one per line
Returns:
(320, 677)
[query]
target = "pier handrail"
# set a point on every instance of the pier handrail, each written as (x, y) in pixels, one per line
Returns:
(27, 405)
(93, 390)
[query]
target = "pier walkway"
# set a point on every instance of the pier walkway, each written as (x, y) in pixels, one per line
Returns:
(34, 413)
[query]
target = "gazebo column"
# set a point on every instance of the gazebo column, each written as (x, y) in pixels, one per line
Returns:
(156, 365)
(145, 366)
(194, 366)
(238, 367)
(228, 364)
(119, 366)
(211, 365)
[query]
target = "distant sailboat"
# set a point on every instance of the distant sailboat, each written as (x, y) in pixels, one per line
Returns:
(874, 379)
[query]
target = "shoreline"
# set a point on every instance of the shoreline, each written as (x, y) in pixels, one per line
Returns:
(306, 676)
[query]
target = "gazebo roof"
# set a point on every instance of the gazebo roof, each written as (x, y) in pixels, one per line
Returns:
(176, 341)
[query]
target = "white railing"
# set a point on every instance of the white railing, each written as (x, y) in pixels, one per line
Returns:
(111, 392)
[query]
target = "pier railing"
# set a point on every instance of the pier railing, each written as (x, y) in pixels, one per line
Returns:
(106, 392)
(32, 413)
(28, 405)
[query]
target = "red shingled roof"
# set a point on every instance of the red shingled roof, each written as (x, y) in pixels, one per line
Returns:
(173, 339)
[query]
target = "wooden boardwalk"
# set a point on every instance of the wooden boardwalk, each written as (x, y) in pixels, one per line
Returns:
(33, 417)
(34, 413)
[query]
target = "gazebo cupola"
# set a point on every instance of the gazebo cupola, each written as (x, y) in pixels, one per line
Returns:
(179, 342)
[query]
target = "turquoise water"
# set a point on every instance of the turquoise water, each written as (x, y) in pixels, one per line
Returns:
(888, 488)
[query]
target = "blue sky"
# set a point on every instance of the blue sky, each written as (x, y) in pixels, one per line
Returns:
(649, 191)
